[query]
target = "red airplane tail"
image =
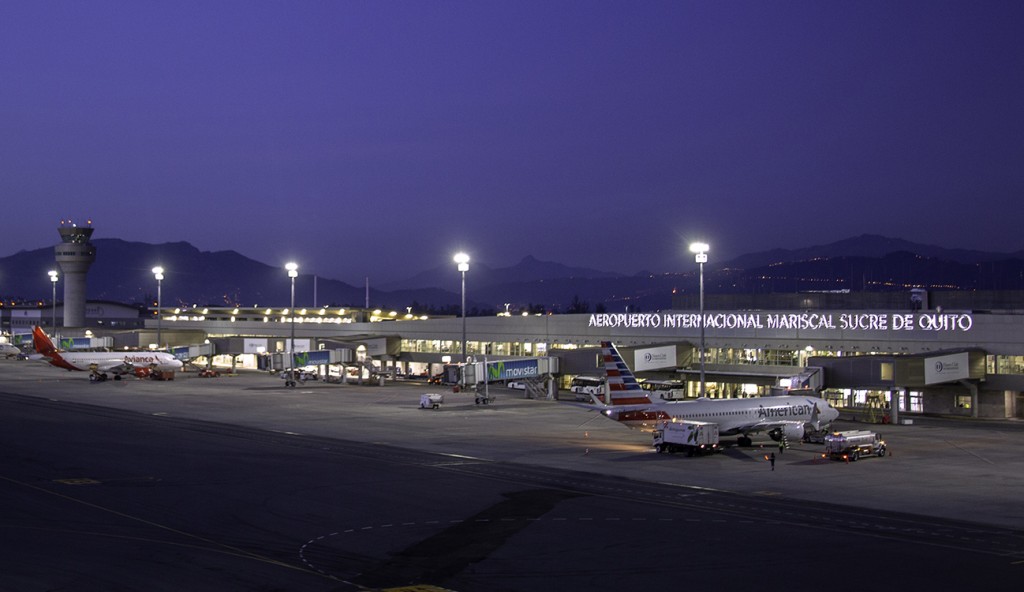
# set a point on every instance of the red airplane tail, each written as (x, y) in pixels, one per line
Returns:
(42, 343)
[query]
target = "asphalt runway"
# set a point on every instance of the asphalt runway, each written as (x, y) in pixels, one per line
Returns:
(237, 483)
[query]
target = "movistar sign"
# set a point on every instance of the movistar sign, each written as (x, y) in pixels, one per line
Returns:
(509, 369)
(313, 358)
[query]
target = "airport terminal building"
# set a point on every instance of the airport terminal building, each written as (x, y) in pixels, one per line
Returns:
(887, 353)
(949, 353)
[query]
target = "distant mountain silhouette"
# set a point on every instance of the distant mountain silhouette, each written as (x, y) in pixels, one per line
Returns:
(122, 273)
(529, 269)
(869, 246)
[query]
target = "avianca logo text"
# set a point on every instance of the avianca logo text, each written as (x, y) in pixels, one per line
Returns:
(141, 359)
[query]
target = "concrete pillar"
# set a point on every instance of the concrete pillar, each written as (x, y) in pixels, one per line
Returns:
(895, 395)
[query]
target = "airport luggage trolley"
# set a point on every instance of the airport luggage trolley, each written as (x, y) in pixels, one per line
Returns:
(431, 400)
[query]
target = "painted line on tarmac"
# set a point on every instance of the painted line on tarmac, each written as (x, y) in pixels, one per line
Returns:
(974, 454)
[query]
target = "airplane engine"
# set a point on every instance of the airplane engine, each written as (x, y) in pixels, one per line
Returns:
(792, 432)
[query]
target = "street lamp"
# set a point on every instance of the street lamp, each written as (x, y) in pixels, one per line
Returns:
(700, 250)
(293, 272)
(463, 260)
(158, 273)
(53, 280)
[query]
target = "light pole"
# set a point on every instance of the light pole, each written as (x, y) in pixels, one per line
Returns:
(700, 250)
(158, 273)
(293, 272)
(463, 261)
(53, 280)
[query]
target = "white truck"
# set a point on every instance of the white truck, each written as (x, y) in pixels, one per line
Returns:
(851, 445)
(691, 437)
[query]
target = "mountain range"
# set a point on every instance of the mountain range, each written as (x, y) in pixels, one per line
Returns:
(122, 273)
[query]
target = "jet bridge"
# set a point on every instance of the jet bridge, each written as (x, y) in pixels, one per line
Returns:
(536, 373)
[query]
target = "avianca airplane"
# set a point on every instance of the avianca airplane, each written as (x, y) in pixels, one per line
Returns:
(788, 415)
(141, 364)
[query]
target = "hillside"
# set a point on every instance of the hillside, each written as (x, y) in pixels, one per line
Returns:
(223, 278)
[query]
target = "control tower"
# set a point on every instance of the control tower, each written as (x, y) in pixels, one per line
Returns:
(75, 255)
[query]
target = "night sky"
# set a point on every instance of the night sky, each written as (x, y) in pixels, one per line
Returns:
(377, 138)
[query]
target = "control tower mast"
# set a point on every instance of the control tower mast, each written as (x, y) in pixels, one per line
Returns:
(75, 254)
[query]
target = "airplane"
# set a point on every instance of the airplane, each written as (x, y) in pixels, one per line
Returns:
(98, 364)
(8, 351)
(789, 416)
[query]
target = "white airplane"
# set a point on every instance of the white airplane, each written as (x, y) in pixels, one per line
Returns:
(788, 415)
(98, 364)
(8, 351)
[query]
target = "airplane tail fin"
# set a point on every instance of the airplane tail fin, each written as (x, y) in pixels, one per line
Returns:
(623, 389)
(42, 343)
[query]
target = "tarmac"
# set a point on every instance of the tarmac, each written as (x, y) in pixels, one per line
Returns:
(969, 471)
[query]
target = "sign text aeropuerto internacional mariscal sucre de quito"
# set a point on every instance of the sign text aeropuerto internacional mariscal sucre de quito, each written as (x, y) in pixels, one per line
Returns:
(813, 321)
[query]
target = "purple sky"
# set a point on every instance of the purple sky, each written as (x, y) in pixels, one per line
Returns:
(377, 138)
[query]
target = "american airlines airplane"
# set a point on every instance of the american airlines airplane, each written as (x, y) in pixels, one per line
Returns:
(98, 364)
(788, 415)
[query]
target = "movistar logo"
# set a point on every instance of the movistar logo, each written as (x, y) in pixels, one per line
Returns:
(494, 371)
(301, 359)
(67, 344)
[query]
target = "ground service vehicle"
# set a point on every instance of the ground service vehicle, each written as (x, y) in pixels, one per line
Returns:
(431, 400)
(666, 390)
(852, 445)
(584, 386)
(691, 437)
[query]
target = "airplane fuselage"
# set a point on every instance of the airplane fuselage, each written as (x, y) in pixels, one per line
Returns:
(733, 416)
(86, 361)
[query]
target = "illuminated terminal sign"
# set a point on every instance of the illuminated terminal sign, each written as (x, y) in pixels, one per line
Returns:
(803, 321)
